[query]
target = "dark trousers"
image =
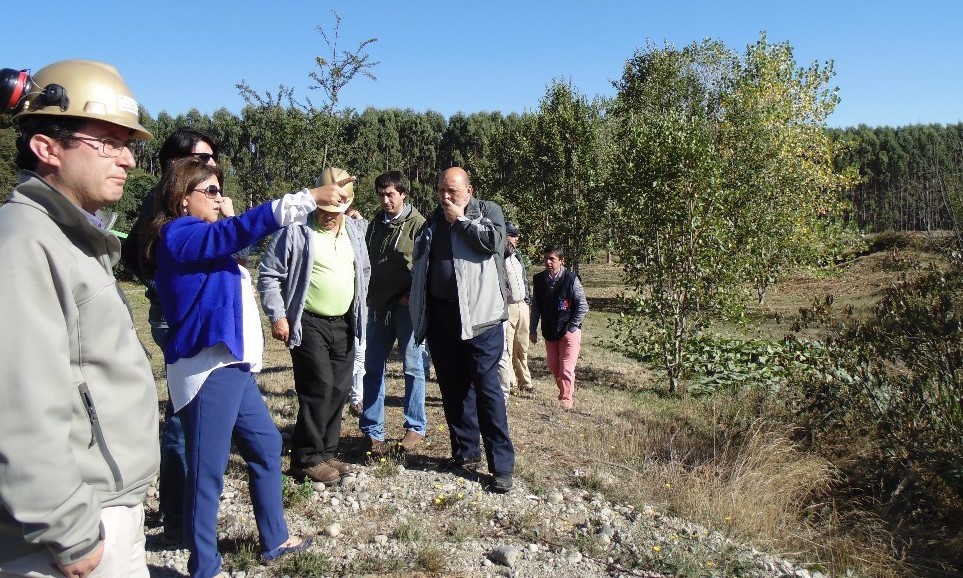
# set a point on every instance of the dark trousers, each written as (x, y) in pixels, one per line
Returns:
(322, 377)
(467, 373)
(173, 462)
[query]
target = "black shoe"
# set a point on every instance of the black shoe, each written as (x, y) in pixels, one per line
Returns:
(501, 483)
(459, 463)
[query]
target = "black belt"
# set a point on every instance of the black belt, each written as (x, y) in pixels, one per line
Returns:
(325, 317)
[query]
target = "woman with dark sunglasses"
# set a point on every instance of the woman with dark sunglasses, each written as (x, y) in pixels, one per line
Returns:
(214, 347)
(183, 142)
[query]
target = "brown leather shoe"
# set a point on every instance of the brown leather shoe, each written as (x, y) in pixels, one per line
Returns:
(411, 440)
(318, 472)
(342, 467)
(375, 447)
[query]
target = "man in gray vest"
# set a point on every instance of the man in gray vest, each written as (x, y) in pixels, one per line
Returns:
(513, 370)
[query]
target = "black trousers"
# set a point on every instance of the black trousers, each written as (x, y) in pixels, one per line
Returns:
(322, 378)
(471, 394)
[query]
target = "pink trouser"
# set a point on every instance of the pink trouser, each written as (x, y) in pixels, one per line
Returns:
(562, 356)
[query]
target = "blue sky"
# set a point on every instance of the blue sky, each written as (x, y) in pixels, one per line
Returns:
(896, 63)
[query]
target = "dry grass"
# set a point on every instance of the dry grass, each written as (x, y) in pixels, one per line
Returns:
(630, 441)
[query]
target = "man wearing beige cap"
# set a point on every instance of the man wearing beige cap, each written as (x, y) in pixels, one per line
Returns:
(313, 282)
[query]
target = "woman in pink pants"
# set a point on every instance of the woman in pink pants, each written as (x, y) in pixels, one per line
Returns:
(558, 299)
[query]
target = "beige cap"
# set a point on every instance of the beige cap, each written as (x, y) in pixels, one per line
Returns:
(331, 176)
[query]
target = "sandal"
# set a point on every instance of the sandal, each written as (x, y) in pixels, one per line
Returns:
(270, 556)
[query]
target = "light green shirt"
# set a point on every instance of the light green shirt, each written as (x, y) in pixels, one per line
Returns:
(332, 274)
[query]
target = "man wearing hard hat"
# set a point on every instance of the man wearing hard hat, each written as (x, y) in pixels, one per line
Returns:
(313, 281)
(78, 405)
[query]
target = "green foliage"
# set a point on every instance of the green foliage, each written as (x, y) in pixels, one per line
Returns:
(408, 531)
(8, 155)
(894, 383)
(557, 191)
(678, 244)
(910, 177)
(781, 158)
(306, 563)
(715, 364)
(719, 364)
(726, 180)
(294, 493)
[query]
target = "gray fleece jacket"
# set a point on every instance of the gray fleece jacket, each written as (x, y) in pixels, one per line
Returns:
(78, 404)
(478, 247)
(285, 273)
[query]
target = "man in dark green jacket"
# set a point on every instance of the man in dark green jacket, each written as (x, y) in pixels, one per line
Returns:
(391, 240)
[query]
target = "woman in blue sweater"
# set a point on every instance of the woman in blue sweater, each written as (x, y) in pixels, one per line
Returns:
(214, 346)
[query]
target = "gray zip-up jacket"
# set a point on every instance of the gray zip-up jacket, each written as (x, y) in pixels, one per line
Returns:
(78, 403)
(478, 247)
(285, 273)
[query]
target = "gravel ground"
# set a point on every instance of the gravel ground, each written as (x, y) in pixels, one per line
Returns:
(412, 520)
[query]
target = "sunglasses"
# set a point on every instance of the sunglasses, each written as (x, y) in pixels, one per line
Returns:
(204, 157)
(212, 191)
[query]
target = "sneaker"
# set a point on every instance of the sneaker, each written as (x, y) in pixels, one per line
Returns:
(459, 463)
(342, 467)
(268, 558)
(501, 483)
(318, 472)
(411, 440)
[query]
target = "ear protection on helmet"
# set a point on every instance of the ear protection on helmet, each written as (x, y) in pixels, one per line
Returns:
(15, 85)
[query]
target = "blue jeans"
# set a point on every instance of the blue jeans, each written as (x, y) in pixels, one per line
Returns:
(380, 335)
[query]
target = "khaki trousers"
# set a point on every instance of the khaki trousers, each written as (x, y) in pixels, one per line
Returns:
(124, 555)
(513, 368)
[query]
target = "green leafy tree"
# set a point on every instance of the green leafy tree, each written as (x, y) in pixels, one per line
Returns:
(562, 174)
(781, 160)
(725, 178)
(677, 237)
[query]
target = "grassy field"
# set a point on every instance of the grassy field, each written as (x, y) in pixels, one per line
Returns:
(718, 460)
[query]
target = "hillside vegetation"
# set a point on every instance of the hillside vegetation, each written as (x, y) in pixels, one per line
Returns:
(759, 445)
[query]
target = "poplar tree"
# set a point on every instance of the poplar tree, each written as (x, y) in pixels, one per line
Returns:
(725, 178)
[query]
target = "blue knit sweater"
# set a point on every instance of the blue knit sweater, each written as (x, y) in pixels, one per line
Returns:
(199, 283)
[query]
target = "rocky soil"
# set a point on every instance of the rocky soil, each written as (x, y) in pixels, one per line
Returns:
(403, 517)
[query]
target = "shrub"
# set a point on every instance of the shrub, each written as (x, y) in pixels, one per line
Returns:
(294, 493)
(885, 404)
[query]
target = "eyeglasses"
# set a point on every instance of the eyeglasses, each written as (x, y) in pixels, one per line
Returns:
(204, 157)
(109, 147)
(212, 191)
